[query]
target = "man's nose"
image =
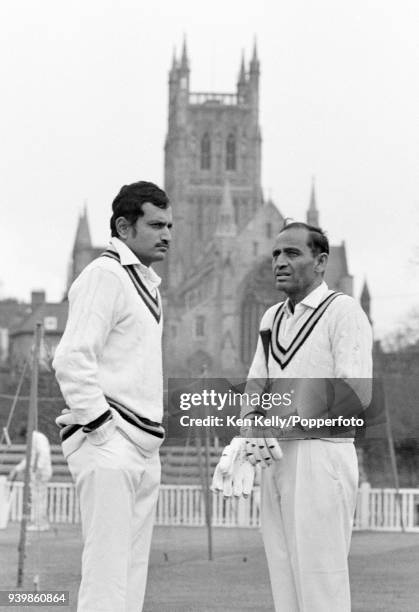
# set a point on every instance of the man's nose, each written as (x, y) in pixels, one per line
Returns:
(279, 262)
(166, 234)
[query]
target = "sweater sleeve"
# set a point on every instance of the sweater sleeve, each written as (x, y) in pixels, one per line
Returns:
(95, 301)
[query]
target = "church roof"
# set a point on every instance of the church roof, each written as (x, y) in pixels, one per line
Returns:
(313, 212)
(365, 293)
(269, 205)
(312, 205)
(242, 73)
(338, 266)
(254, 62)
(83, 239)
(184, 60)
(96, 251)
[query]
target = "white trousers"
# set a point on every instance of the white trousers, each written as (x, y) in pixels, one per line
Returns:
(118, 488)
(307, 509)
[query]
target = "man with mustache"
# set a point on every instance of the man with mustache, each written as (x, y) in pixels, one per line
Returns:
(309, 489)
(109, 367)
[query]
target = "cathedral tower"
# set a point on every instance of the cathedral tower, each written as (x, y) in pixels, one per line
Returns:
(213, 139)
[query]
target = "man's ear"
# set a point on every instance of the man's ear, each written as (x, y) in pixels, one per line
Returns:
(321, 262)
(122, 227)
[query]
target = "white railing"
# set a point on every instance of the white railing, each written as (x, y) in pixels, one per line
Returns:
(385, 510)
(377, 509)
(177, 505)
(63, 506)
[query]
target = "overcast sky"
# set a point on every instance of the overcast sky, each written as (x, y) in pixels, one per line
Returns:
(84, 110)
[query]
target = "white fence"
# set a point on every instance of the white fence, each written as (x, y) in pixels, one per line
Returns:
(377, 509)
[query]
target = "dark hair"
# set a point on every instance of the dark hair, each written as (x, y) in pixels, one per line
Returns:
(130, 201)
(317, 239)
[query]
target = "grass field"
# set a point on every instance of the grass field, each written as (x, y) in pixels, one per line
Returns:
(384, 569)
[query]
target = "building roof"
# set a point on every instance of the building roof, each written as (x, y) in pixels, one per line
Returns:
(97, 251)
(313, 212)
(338, 266)
(44, 313)
(365, 293)
(83, 239)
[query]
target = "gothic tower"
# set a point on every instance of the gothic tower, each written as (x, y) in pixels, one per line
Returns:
(212, 139)
(83, 250)
(82, 247)
(312, 212)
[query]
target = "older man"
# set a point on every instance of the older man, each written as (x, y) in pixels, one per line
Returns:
(309, 494)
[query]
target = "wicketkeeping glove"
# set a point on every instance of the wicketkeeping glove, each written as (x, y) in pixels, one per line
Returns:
(234, 475)
(263, 451)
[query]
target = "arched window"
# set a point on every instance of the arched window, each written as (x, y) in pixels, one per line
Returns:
(231, 152)
(205, 152)
(200, 326)
(199, 219)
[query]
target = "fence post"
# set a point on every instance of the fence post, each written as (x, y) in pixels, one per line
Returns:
(243, 511)
(364, 505)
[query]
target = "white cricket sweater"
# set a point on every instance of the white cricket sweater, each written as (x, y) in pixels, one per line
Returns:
(339, 345)
(111, 345)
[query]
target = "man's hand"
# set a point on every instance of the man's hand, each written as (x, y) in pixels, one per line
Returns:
(234, 475)
(263, 451)
(98, 434)
(65, 418)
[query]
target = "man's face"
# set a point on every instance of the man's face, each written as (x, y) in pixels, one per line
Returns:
(149, 238)
(295, 267)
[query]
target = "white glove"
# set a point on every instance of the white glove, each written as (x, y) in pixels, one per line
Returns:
(234, 475)
(263, 451)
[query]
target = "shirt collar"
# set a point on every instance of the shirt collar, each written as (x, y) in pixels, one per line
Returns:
(129, 258)
(312, 299)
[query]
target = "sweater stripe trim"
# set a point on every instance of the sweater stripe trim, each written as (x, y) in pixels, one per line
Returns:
(152, 303)
(152, 427)
(282, 355)
(105, 416)
(68, 430)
